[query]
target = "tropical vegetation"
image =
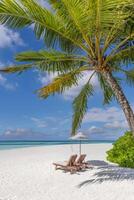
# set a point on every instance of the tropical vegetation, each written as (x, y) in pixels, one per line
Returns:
(122, 152)
(92, 36)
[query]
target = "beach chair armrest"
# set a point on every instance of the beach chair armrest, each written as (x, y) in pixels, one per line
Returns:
(60, 163)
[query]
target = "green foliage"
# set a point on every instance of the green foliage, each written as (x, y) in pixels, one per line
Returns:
(13, 14)
(122, 152)
(80, 106)
(130, 76)
(52, 60)
(124, 57)
(60, 83)
(107, 90)
(17, 68)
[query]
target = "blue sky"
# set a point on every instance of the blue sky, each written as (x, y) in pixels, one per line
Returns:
(24, 116)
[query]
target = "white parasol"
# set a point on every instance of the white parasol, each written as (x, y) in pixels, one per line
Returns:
(79, 136)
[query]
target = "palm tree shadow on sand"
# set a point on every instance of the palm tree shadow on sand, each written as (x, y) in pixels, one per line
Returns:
(108, 172)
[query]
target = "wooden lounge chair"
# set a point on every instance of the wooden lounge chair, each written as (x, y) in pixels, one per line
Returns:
(80, 163)
(67, 165)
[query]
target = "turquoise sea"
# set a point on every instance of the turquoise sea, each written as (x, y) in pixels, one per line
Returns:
(21, 144)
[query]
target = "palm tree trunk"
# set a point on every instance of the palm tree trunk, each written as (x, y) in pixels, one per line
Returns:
(121, 98)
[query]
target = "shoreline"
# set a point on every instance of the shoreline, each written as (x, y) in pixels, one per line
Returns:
(8, 145)
(28, 174)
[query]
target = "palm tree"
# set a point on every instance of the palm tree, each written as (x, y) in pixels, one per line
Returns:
(96, 36)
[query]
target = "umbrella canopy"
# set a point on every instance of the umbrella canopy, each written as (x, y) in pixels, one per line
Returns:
(79, 136)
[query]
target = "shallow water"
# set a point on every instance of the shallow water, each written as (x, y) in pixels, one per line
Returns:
(21, 144)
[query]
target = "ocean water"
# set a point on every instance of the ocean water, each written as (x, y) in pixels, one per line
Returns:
(22, 144)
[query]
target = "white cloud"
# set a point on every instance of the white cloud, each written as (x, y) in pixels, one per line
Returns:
(95, 129)
(39, 122)
(110, 123)
(18, 131)
(117, 124)
(104, 115)
(9, 38)
(47, 78)
(5, 83)
(104, 133)
(51, 121)
(21, 134)
(29, 134)
(74, 91)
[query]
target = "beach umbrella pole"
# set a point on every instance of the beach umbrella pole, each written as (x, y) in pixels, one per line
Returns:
(79, 136)
(80, 147)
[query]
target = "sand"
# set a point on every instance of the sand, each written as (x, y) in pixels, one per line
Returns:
(28, 174)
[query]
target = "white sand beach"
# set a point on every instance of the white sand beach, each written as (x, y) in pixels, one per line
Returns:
(28, 174)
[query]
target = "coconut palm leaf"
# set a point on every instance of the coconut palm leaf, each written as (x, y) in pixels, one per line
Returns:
(80, 105)
(62, 82)
(76, 17)
(108, 93)
(13, 14)
(52, 60)
(17, 68)
(18, 14)
(130, 76)
(51, 55)
(123, 57)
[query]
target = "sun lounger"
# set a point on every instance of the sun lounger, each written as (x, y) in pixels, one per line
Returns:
(67, 165)
(80, 162)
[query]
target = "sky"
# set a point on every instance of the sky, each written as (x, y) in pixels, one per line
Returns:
(24, 116)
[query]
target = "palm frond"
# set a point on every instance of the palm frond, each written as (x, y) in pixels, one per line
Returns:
(51, 55)
(130, 76)
(124, 56)
(123, 43)
(13, 14)
(50, 61)
(56, 30)
(17, 68)
(62, 11)
(119, 26)
(18, 14)
(80, 106)
(60, 83)
(53, 61)
(74, 14)
(108, 93)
